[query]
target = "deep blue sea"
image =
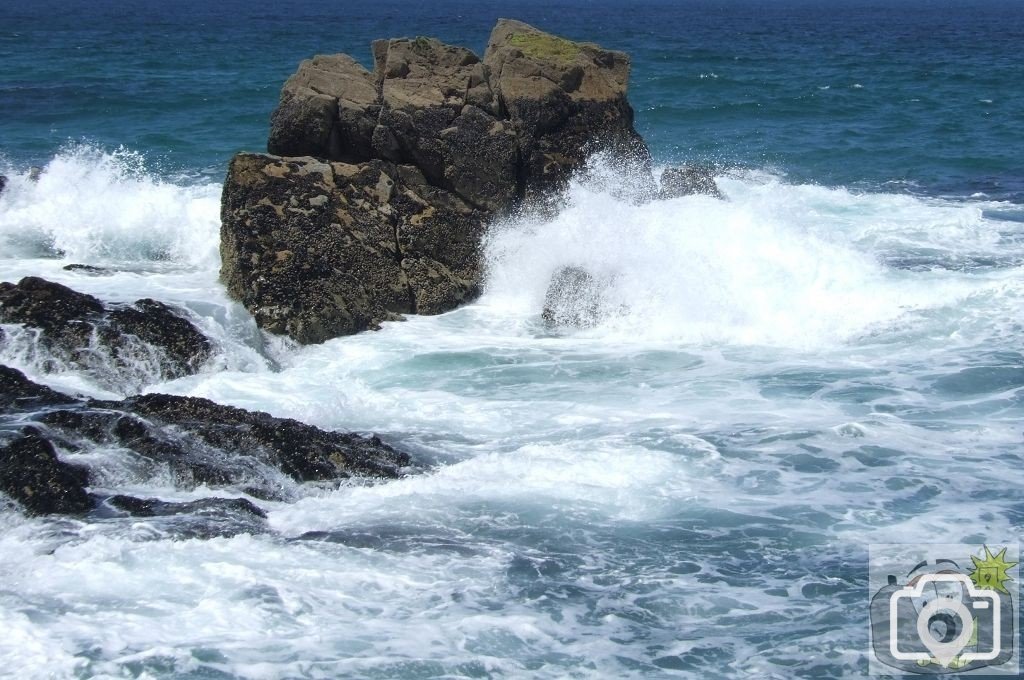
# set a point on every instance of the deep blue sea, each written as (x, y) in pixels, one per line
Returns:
(828, 359)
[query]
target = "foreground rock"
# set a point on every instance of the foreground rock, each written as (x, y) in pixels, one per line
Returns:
(136, 344)
(687, 181)
(196, 440)
(388, 179)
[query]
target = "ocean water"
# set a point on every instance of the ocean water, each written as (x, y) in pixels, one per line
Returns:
(828, 359)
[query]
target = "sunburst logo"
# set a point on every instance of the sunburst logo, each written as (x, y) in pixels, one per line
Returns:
(990, 571)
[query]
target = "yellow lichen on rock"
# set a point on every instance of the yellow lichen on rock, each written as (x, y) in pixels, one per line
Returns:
(543, 46)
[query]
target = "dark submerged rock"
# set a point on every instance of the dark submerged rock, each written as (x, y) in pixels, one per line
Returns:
(389, 178)
(204, 518)
(33, 475)
(87, 269)
(303, 452)
(157, 324)
(199, 441)
(154, 507)
(688, 180)
(574, 298)
(79, 330)
(3, 183)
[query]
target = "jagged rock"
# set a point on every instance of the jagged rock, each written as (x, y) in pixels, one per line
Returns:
(79, 330)
(567, 101)
(200, 442)
(33, 475)
(3, 183)
(573, 298)
(45, 305)
(304, 452)
(388, 179)
(327, 109)
(316, 250)
(688, 180)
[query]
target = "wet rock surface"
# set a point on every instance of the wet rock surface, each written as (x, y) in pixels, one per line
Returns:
(203, 518)
(688, 180)
(33, 475)
(574, 299)
(138, 343)
(18, 393)
(316, 250)
(381, 184)
(196, 441)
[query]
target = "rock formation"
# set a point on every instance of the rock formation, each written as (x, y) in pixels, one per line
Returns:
(132, 344)
(381, 184)
(198, 441)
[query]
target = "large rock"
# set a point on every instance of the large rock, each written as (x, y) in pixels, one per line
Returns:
(124, 345)
(328, 109)
(316, 249)
(567, 102)
(381, 184)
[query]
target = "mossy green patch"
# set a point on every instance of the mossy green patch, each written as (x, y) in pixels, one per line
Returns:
(421, 45)
(540, 46)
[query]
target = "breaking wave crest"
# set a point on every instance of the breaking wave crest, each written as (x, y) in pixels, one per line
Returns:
(95, 206)
(773, 264)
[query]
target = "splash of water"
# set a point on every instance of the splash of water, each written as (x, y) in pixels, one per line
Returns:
(774, 264)
(94, 206)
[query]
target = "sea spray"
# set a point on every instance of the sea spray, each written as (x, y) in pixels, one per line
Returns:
(773, 264)
(600, 496)
(94, 206)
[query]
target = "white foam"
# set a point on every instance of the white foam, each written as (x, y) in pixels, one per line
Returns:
(662, 472)
(95, 207)
(773, 264)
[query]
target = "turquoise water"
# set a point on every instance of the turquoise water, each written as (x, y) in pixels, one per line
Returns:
(831, 358)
